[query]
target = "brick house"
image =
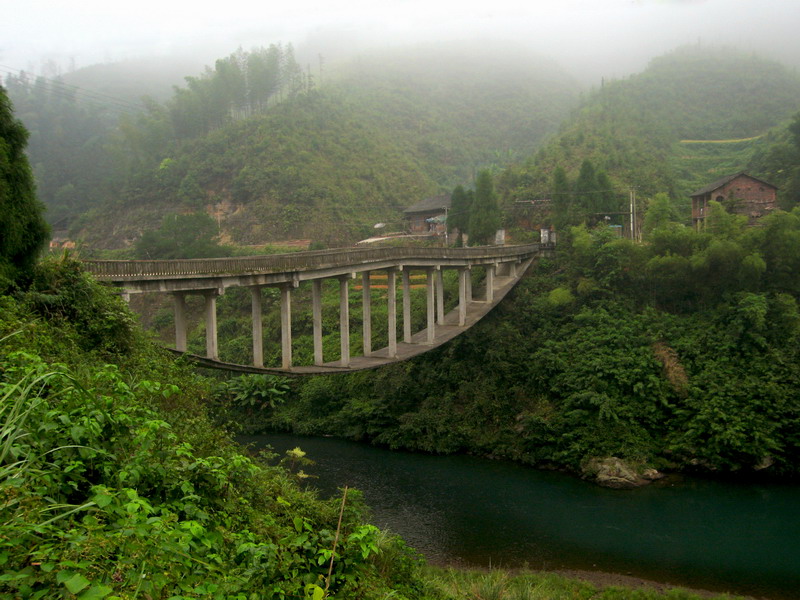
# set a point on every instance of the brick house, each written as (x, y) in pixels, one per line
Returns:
(739, 193)
(428, 216)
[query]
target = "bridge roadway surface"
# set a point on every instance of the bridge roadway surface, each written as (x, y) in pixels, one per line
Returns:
(289, 270)
(476, 310)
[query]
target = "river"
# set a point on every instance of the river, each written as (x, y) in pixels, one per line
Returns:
(725, 536)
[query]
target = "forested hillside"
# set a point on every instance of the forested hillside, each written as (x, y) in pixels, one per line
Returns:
(678, 354)
(272, 150)
(652, 130)
(115, 482)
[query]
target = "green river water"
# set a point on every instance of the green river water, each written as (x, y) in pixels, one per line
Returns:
(737, 537)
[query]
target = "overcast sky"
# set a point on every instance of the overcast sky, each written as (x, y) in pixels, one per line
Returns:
(593, 38)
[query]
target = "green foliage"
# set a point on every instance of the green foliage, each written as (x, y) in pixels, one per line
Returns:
(23, 232)
(560, 297)
(67, 151)
(484, 214)
(256, 391)
(61, 292)
(256, 135)
(642, 130)
(108, 473)
(182, 236)
(660, 213)
(777, 158)
(458, 217)
(679, 353)
(452, 584)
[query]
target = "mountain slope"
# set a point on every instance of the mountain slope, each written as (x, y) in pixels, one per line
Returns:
(272, 152)
(634, 128)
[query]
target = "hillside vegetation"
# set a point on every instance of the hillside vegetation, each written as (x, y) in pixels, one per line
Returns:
(116, 483)
(678, 354)
(273, 151)
(636, 129)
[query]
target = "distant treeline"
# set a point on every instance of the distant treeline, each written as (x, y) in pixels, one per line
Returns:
(238, 86)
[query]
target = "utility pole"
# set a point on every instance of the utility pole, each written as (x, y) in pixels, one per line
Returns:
(630, 201)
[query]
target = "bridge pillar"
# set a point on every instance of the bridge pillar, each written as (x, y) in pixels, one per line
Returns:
(258, 343)
(366, 306)
(391, 297)
(286, 326)
(490, 272)
(431, 301)
(179, 302)
(316, 312)
(468, 281)
(463, 276)
(407, 305)
(212, 349)
(512, 268)
(344, 320)
(439, 296)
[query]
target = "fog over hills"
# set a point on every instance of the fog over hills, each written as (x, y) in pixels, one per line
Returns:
(591, 38)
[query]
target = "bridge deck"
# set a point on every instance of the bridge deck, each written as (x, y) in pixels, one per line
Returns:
(476, 310)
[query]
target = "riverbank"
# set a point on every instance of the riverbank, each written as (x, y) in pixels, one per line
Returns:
(603, 580)
(463, 511)
(453, 583)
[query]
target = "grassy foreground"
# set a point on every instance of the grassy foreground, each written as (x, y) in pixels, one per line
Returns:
(115, 483)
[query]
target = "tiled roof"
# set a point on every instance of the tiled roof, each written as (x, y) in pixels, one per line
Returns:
(433, 203)
(720, 182)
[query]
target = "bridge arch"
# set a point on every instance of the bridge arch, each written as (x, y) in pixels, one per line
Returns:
(504, 266)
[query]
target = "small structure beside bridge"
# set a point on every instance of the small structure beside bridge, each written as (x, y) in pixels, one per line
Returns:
(504, 266)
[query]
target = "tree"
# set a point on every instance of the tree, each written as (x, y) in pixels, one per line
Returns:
(586, 191)
(23, 230)
(484, 217)
(182, 236)
(562, 199)
(659, 213)
(606, 197)
(458, 218)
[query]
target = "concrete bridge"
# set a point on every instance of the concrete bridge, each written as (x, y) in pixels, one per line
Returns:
(504, 266)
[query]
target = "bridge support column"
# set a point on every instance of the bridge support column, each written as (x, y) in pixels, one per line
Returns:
(468, 281)
(316, 317)
(490, 272)
(463, 276)
(286, 326)
(344, 320)
(431, 308)
(391, 298)
(179, 301)
(366, 306)
(258, 343)
(212, 349)
(439, 296)
(512, 268)
(406, 306)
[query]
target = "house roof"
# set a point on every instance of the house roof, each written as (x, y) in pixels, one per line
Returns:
(439, 202)
(720, 182)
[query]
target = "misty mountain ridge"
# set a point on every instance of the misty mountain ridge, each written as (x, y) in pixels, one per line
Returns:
(340, 147)
(693, 116)
(334, 151)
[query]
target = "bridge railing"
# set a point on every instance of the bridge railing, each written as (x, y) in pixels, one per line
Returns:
(296, 261)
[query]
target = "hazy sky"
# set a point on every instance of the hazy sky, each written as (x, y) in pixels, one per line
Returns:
(593, 38)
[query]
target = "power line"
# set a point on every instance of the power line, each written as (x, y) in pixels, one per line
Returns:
(70, 91)
(66, 87)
